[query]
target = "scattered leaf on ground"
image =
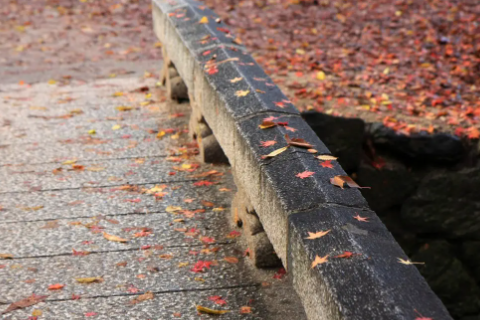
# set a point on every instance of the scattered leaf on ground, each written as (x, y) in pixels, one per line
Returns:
(27, 302)
(211, 311)
(89, 280)
(319, 260)
(305, 174)
(111, 237)
(143, 297)
(231, 259)
(56, 286)
(275, 153)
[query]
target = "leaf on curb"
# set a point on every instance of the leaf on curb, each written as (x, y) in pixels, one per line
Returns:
(408, 262)
(234, 80)
(340, 181)
(275, 153)
(211, 311)
(326, 157)
(111, 237)
(297, 142)
(56, 286)
(319, 260)
(203, 20)
(267, 124)
(316, 235)
(305, 174)
(242, 93)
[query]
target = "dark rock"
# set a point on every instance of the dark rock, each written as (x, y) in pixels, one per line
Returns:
(390, 185)
(469, 255)
(448, 278)
(343, 136)
(419, 146)
(451, 218)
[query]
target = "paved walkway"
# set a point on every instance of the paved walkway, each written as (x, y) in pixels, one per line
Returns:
(100, 218)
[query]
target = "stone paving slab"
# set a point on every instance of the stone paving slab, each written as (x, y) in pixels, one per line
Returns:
(167, 269)
(24, 178)
(90, 202)
(66, 132)
(178, 305)
(43, 238)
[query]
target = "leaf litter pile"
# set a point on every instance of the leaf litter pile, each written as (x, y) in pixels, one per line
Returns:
(412, 65)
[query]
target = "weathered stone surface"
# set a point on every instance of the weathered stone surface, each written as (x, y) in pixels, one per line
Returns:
(448, 278)
(371, 284)
(261, 251)
(390, 185)
(210, 150)
(420, 146)
(343, 136)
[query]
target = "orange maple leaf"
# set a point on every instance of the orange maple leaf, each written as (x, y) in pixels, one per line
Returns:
(327, 164)
(305, 174)
(267, 143)
(319, 260)
(316, 235)
(346, 254)
(56, 286)
(473, 133)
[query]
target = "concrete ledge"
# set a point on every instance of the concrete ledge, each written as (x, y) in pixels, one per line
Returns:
(234, 96)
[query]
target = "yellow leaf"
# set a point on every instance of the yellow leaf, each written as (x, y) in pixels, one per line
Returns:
(300, 51)
(321, 75)
(124, 108)
(89, 280)
(116, 127)
(92, 132)
(111, 237)
(267, 124)
(326, 157)
(275, 153)
(161, 134)
(203, 20)
(234, 80)
(319, 260)
(37, 313)
(172, 209)
(69, 162)
(118, 94)
(158, 45)
(242, 93)
(32, 208)
(182, 264)
(408, 262)
(211, 311)
(6, 256)
(52, 81)
(95, 169)
(386, 71)
(199, 279)
(148, 96)
(218, 209)
(316, 235)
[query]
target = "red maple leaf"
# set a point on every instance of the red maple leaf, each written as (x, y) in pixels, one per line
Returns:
(305, 174)
(202, 183)
(90, 314)
(279, 104)
(201, 265)
(327, 164)
(363, 219)
(267, 143)
(347, 254)
(207, 239)
(218, 300)
(280, 273)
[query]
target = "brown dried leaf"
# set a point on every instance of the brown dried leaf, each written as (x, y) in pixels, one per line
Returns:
(113, 238)
(89, 280)
(340, 181)
(27, 302)
(297, 142)
(267, 124)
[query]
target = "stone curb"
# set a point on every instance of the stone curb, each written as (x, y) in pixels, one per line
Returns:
(235, 95)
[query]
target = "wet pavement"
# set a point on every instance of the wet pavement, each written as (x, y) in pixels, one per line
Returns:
(106, 212)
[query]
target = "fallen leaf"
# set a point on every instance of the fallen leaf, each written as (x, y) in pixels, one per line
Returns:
(316, 235)
(268, 143)
(234, 80)
(172, 209)
(124, 108)
(362, 219)
(275, 153)
(203, 20)
(143, 297)
(245, 309)
(326, 157)
(27, 302)
(89, 280)
(6, 256)
(37, 313)
(210, 311)
(327, 164)
(231, 259)
(207, 203)
(90, 314)
(111, 237)
(408, 262)
(319, 260)
(218, 300)
(340, 181)
(321, 75)
(242, 93)
(305, 174)
(233, 234)
(267, 124)
(297, 142)
(56, 286)
(346, 254)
